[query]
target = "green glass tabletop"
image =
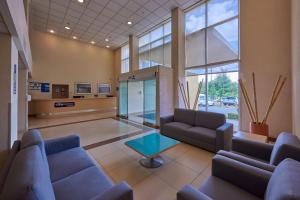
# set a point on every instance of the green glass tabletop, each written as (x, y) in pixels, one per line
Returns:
(152, 144)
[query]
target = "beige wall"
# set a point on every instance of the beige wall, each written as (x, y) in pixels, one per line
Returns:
(62, 61)
(265, 50)
(296, 65)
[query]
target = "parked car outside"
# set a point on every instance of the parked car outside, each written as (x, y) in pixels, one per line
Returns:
(229, 101)
(202, 101)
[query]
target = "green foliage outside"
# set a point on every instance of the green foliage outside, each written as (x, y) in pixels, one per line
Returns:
(222, 86)
(233, 116)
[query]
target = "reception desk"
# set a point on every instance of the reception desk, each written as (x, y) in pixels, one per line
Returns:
(51, 107)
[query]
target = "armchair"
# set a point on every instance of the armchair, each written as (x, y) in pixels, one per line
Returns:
(234, 180)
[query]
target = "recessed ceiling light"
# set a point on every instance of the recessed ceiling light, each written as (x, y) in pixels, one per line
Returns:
(107, 46)
(80, 1)
(51, 31)
(92, 42)
(129, 22)
(67, 27)
(106, 40)
(74, 37)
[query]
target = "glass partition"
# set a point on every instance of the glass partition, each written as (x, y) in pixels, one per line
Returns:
(123, 99)
(150, 102)
(135, 101)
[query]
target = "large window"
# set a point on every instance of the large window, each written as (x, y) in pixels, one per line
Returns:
(125, 59)
(155, 47)
(212, 56)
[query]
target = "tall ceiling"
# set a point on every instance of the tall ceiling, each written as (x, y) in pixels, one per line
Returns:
(96, 20)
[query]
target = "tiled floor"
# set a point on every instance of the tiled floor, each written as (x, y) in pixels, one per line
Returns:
(91, 132)
(183, 164)
(35, 122)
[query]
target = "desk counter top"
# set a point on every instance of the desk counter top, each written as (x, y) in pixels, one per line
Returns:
(72, 105)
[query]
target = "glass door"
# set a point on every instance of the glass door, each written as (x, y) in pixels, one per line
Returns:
(123, 99)
(135, 101)
(150, 102)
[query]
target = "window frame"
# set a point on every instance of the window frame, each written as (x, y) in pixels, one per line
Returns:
(148, 45)
(206, 28)
(124, 69)
(207, 65)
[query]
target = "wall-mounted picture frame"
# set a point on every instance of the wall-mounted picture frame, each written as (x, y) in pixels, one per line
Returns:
(83, 88)
(104, 88)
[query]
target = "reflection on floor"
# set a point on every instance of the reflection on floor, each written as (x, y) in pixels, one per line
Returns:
(59, 120)
(141, 117)
(92, 132)
(184, 164)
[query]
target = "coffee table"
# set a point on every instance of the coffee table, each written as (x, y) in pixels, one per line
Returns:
(150, 146)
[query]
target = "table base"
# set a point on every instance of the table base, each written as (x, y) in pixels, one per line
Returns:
(152, 162)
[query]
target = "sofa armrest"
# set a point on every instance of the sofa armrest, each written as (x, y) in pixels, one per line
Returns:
(224, 137)
(188, 192)
(164, 120)
(61, 144)
(120, 191)
(255, 149)
(247, 177)
(247, 160)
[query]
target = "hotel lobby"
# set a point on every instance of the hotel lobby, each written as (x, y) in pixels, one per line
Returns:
(150, 99)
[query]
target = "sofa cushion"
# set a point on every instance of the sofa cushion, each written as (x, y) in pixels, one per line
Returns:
(203, 134)
(82, 185)
(286, 146)
(218, 189)
(209, 120)
(28, 178)
(34, 137)
(68, 162)
(184, 116)
(5, 169)
(174, 129)
(285, 181)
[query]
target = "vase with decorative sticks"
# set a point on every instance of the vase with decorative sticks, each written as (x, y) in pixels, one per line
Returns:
(260, 126)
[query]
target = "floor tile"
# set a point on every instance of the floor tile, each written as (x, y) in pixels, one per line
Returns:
(132, 173)
(176, 175)
(178, 150)
(101, 151)
(153, 188)
(198, 181)
(196, 160)
(114, 160)
(92, 131)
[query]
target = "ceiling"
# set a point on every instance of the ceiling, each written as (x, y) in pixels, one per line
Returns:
(96, 20)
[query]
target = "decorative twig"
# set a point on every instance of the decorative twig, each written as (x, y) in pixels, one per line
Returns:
(188, 94)
(255, 98)
(197, 95)
(183, 89)
(183, 97)
(274, 100)
(246, 99)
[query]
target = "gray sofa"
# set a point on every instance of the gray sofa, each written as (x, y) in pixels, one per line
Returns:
(56, 169)
(263, 155)
(207, 130)
(234, 180)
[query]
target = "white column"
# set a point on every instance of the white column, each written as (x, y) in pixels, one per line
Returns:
(178, 53)
(296, 65)
(133, 53)
(9, 94)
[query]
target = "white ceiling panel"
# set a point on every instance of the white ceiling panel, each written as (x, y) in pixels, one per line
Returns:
(100, 19)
